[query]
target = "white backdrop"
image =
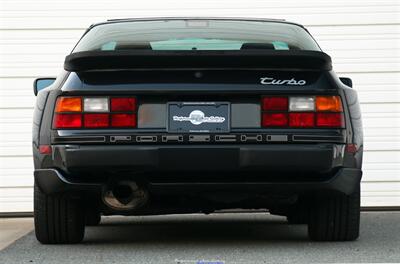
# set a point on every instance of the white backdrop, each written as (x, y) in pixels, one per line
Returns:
(362, 36)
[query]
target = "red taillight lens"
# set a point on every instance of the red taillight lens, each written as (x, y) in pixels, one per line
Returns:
(67, 120)
(45, 149)
(275, 104)
(123, 104)
(302, 111)
(96, 120)
(351, 148)
(334, 120)
(95, 112)
(301, 119)
(123, 120)
(274, 119)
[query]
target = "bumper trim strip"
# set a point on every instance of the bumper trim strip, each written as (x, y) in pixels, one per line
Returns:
(162, 138)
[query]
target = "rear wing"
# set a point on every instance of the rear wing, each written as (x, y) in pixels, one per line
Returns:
(237, 59)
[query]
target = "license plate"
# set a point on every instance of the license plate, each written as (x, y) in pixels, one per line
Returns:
(198, 117)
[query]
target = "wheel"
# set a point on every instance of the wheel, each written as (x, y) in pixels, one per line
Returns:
(92, 218)
(59, 219)
(299, 213)
(335, 217)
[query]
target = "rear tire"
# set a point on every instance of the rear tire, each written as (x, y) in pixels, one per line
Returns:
(299, 213)
(59, 219)
(297, 219)
(92, 219)
(335, 217)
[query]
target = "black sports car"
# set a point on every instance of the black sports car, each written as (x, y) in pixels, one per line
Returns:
(189, 115)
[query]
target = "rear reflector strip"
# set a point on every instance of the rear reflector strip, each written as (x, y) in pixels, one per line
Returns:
(45, 149)
(246, 138)
(351, 148)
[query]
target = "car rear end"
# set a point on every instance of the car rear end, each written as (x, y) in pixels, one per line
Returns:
(183, 122)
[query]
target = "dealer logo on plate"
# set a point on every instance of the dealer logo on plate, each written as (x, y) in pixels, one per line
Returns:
(198, 117)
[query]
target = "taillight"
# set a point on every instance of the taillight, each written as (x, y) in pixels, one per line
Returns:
(96, 105)
(69, 104)
(274, 103)
(302, 112)
(95, 112)
(123, 120)
(96, 120)
(330, 120)
(123, 104)
(301, 119)
(329, 104)
(301, 104)
(274, 119)
(67, 120)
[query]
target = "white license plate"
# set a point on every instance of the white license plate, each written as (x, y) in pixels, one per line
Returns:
(198, 117)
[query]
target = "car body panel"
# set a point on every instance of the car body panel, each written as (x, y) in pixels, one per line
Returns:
(246, 155)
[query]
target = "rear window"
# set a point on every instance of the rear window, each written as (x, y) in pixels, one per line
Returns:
(201, 34)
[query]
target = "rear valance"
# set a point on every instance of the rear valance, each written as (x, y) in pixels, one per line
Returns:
(283, 59)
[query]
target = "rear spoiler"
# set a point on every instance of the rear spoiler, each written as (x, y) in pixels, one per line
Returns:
(149, 59)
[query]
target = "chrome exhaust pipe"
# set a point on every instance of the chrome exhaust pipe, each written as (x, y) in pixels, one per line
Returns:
(124, 196)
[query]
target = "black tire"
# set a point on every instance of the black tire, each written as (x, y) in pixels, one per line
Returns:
(335, 217)
(299, 213)
(297, 219)
(59, 219)
(92, 219)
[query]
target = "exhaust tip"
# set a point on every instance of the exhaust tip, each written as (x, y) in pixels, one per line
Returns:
(124, 196)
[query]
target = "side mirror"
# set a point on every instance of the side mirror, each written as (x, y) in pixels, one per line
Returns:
(346, 81)
(41, 83)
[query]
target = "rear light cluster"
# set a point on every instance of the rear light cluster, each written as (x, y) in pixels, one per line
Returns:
(95, 112)
(302, 112)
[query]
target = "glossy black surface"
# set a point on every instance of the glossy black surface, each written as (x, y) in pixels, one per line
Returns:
(274, 153)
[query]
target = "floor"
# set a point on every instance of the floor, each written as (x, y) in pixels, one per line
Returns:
(12, 229)
(215, 238)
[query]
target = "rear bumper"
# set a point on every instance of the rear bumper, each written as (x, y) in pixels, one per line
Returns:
(345, 181)
(318, 158)
(198, 168)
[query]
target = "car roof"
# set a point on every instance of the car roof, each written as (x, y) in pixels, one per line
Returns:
(121, 20)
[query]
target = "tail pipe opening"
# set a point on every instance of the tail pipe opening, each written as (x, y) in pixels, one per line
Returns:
(124, 196)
